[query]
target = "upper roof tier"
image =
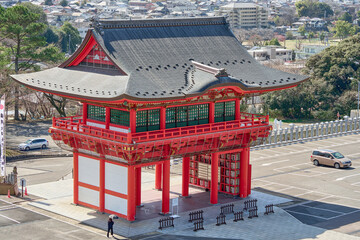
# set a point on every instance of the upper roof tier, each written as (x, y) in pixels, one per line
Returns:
(162, 59)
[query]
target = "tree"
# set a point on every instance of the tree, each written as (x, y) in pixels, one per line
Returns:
(346, 17)
(37, 10)
(311, 35)
(22, 32)
(63, 3)
(51, 36)
(322, 36)
(273, 42)
(302, 31)
(48, 2)
(344, 29)
(311, 8)
(289, 35)
(68, 31)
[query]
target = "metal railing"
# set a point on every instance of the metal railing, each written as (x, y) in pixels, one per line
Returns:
(311, 132)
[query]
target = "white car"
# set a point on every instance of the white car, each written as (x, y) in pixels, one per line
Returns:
(34, 143)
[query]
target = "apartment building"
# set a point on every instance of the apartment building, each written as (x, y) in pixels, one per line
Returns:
(245, 15)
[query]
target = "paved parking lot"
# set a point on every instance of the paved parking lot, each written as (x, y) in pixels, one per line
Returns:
(324, 196)
(17, 222)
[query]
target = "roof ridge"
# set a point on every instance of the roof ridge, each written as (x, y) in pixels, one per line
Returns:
(163, 22)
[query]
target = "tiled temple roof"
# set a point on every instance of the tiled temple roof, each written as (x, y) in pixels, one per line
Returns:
(162, 59)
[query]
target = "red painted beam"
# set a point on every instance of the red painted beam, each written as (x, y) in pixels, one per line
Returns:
(158, 174)
(185, 176)
(138, 185)
(166, 187)
(102, 185)
(214, 178)
(131, 208)
(76, 176)
(244, 172)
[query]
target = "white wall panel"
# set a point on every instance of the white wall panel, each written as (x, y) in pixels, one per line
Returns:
(89, 196)
(95, 124)
(116, 204)
(89, 171)
(119, 129)
(116, 178)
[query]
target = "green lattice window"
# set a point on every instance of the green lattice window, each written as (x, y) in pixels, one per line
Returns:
(230, 111)
(187, 115)
(96, 113)
(224, 111)
(171, 117)
(148, 120)
(120, 117)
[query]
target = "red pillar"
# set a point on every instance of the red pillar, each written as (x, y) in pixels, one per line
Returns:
(131, 208)
(211, 112)
(102, 185)
(138, 185)
(132, 120)
(76, 177)
(166, 187)
(237, 109)
(84, 112)
(244, 172)
(185, 176)
(214, 178)
(158, 170)
(107, 117)
(162, 118)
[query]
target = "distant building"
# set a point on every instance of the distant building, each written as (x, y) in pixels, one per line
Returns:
(271, 53)
(245, 15)
(309, 50)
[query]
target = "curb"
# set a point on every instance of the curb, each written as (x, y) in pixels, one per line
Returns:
(25, 157)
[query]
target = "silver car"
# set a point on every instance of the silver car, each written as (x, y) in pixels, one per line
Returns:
(34, 143)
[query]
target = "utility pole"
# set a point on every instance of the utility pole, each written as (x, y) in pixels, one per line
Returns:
(358, 98)
(69, 45)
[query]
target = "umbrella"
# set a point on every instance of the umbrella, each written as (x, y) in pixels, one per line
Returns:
(113, 216)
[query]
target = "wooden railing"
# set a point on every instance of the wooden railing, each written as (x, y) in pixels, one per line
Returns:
(75, 124)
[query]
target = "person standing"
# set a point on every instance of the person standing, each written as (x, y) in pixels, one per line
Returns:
(110, 227)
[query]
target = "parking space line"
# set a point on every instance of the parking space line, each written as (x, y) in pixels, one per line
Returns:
(270, 163)
(306, 214)
(342, 178)
(9, 218)
(284, 189)
(56, 219)
(356, 184)
(303, 193)
(8, 208)
(322, 209)
(344, 214)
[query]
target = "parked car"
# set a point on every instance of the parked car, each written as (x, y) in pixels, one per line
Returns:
(330, 158)
(34, 143)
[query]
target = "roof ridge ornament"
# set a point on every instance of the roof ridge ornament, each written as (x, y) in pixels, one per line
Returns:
(217, 72)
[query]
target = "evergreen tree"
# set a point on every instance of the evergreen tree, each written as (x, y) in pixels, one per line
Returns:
(24, 43)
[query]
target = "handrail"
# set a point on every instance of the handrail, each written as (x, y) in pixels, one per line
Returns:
(76, 124)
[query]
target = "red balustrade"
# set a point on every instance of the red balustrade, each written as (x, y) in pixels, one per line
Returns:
(75, 124)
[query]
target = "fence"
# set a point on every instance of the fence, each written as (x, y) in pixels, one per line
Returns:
(269, 209)
(197, 215)
(311, 132)
(220, 220)
(229, 208)
(166, 222)
(238, 216)
(249, 204)
(253, 213)
(199, 225)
